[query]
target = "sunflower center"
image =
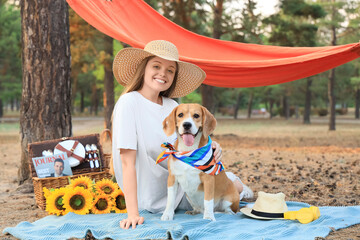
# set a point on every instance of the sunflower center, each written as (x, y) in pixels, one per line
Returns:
(120, 202)
(82, 185)
(77, 202)
(107, 189)
(59, 203)
(101, 204)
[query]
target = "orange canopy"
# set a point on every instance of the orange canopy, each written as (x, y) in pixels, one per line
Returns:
(227, 64)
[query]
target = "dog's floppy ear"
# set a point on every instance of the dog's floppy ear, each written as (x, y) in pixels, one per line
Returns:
(169, 123)
(208, 122)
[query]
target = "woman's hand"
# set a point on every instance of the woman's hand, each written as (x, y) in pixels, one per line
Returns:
(131, 221)
(217, 152)
(128, 158)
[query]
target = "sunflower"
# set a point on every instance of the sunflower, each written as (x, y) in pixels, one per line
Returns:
(55, 201)
(46, 192)
(119, 206)
(83, 182)
(102, 204)
(78, 200)
(105, 186)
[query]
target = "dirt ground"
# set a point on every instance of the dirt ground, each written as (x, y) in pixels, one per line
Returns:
(306, 162)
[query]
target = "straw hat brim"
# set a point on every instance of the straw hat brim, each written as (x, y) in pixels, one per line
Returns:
(127, 60)
(247, 212)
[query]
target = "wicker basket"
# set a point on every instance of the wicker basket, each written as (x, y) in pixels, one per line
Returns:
(35, 150)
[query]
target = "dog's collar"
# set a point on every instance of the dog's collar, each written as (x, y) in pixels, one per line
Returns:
(201, 158)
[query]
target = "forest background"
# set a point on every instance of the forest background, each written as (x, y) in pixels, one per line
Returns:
(296, 23)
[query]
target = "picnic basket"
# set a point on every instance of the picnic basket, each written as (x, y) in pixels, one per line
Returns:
(35, 150)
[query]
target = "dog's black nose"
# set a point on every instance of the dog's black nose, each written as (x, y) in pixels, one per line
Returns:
(187, 125)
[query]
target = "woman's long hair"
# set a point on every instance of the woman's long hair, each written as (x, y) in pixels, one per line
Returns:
(138, 80)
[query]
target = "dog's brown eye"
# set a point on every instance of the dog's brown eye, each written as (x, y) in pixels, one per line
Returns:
(196, 115)
(180, 115)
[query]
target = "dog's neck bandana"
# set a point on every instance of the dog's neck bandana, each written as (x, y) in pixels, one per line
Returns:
(201, 158)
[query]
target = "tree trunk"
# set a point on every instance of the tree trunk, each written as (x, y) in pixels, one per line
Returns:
(250, 105)
(1, 108)
(17, 104)
(94, 97)
(286, 109)
(297, 111)
(237, 105)
(82, 101)
(332, 100)
(108, 82)
(218, 11)
(181, 12)
(331, 85)
(271, 103)
(97, 100)
(12, 104)
(46, 92)
(307, 110)
(207, 96)
(357, 104)
(207, 92)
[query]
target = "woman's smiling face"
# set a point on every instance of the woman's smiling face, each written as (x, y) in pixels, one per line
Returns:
(159, 74)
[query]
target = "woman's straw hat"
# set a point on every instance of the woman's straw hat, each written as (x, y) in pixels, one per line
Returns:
(267, 206)
(127, 60)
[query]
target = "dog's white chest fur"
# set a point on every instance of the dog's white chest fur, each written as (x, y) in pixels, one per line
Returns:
(189, 180)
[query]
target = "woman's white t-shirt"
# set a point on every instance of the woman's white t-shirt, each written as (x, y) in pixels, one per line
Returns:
(137, 125)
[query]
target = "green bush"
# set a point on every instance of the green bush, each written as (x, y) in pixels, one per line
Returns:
(322, 112)
(341, 111)
(280, 111)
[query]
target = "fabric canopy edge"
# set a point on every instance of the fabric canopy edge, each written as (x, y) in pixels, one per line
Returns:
(352, 52)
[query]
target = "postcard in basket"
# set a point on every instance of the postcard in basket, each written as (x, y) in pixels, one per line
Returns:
(52, 166)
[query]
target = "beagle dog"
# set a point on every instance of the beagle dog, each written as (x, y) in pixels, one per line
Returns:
(206, 193)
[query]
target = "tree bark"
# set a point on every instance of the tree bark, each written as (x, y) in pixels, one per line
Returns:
(181, 12)
(17, 104)
(250, 105)
(357, 104)
(237, 105)
(286, 108)
(108, 82)
(94, 97)
(82, 101)
(332, 100)
(46, 92)
(331, 86)
(271, 103)
(207, 92)
(12, 104)
(207, 97)
(307, 110)
(1, 108)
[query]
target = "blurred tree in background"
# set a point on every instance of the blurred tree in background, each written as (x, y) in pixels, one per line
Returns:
(295, 23)
(10, 56)
(295, 26)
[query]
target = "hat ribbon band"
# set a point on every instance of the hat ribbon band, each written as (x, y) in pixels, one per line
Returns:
(268, 215)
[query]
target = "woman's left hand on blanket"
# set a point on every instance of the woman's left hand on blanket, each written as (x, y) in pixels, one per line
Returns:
(131, 221)
(217, 152)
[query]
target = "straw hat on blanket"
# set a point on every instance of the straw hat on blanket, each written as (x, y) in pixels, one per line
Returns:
(267, 206)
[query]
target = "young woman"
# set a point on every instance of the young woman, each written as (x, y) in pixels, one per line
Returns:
(152, 77)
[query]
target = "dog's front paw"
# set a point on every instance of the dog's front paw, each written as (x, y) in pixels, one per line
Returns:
(209, 216)
(167, 216)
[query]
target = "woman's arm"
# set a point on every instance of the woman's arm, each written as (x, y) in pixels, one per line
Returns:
(128, 158)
